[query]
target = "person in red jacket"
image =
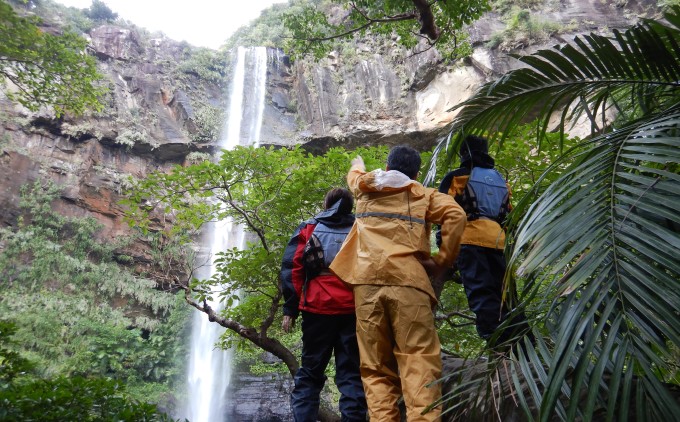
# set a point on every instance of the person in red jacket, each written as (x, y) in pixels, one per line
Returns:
(327, 307)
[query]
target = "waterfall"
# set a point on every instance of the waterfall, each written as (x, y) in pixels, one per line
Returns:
(209, 372)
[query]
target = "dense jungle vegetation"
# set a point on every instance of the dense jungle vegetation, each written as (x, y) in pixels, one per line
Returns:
(593, 237)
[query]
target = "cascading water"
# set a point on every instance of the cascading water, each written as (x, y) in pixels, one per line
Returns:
(210, 368)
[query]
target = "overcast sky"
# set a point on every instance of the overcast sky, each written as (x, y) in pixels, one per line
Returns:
(203, 23)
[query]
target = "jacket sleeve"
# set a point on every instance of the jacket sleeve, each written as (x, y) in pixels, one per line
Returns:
(443, 210)
(292, 274)
(354, 178)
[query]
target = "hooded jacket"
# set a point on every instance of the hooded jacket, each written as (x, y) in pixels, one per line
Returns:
(480, 232)
(392, 230)
(326, 293)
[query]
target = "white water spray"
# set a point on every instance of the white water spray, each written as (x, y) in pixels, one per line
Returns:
(210, 368)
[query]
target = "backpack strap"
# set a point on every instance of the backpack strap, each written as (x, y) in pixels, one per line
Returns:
(320, 250)
(311, 256)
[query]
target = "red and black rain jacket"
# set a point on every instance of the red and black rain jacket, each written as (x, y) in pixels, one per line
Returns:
(325, 294)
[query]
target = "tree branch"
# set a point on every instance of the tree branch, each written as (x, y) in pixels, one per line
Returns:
(424, 16)
(448, 315)
(251, 334)
(244, 214)
(273, 309)
(428, 26)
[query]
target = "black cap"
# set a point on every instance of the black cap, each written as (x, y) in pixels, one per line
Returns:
(474, 151)
(474, 143)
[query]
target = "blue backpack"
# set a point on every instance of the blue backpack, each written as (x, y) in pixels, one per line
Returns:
(321, 248)
(486, 195)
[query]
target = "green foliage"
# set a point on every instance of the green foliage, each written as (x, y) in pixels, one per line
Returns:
(270, 191)
(209, 121)
(196, 157)
(78, 19)
(522, 30)
(316, 28)
(206, 64)
(668, 4)
(505, 6)
(12, 364)
(267, 30)
(129, 138)
(597, 250)
(27, 397)
(456, 323)
(99, 11)
(81, 312)
(40, 69)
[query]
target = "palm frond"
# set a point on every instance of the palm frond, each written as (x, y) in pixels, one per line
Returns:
(587, 76)
(596, 253)
(603, 240)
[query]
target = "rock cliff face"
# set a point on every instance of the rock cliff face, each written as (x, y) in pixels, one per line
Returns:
(155, 112)
(155, 116)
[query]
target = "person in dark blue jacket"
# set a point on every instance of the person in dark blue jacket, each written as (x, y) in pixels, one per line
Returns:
(327, 307)
(481, 262)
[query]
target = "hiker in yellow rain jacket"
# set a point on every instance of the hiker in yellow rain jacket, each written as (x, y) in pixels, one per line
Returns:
(386, 258)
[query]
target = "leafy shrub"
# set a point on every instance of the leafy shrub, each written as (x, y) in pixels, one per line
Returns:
(131, 137)
(99, 11)
(61, 282)
(209, 121)
(206, 64)
(522, 30)
(26, 397)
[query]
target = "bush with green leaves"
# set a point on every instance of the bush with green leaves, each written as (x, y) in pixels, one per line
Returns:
(99, 11)
(315, 26)
(522, 30)
(25, 395)
(266, 30)
(41, 69)
(207, 64)
(82, 311)
(209, 121)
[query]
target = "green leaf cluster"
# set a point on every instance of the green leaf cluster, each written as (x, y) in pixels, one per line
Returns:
(321, 24)
(267, 30)
(81, 311)
(596, 250)
(205, 63)
(99, 11)
(524, 29)
(41, 69)
(26, 396)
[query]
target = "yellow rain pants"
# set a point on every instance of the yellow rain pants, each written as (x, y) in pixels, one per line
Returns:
(399, 350)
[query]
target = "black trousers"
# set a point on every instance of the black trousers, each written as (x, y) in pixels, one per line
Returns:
(482, 271)
(323, 335)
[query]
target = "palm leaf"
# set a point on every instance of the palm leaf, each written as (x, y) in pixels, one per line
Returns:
(603, 239)
(642, 64)
(597, 251)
